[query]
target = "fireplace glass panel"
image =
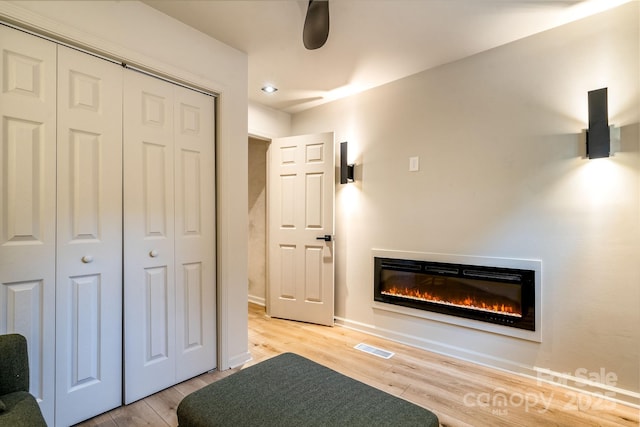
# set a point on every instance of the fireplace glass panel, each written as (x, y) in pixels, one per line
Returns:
(470, 294)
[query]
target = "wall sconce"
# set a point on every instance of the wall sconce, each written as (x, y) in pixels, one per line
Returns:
(346, 169)
(598, 134)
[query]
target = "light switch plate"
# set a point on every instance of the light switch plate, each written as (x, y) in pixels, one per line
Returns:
(414, 164)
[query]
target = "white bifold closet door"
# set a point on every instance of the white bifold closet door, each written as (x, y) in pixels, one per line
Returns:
(28, 203)
(169, 254)
(89, 238)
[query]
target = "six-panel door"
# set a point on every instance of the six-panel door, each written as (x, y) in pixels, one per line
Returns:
(28, 203)
(301, 214)
(149, 305)
(194, 233)
(89, 248)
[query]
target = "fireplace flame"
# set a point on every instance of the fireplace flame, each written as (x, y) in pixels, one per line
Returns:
(466, 302)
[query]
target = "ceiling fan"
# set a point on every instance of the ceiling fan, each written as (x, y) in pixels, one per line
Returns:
(316, 24)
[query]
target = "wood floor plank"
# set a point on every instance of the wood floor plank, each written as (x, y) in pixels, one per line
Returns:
(187, 387)
(137, 414)
(103, 420)
(461, 393)
(165, 404)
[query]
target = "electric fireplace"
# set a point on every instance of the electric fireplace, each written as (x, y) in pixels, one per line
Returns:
(504, 296)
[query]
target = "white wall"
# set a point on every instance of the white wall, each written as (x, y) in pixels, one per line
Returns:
(139, 35)
(501, 175)
(267, 123)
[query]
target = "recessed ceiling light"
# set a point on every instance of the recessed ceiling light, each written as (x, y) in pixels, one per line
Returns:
(269, 89)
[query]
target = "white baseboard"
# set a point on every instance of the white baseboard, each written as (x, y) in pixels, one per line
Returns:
(575, 383)
(240, 360)
(257, 300)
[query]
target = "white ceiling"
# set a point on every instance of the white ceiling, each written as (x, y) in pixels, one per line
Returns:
(371, 42)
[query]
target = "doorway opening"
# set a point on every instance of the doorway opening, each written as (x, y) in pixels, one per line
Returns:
(257, 159)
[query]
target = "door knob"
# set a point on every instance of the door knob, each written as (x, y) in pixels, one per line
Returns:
(153, 253)
(326, 237)
(87, 259)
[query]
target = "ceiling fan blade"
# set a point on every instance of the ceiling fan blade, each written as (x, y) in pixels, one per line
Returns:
(316, 24)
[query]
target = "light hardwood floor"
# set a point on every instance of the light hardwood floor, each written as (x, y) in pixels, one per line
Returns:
(460, 393)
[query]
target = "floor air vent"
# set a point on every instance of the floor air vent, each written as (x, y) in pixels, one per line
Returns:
(374, 350)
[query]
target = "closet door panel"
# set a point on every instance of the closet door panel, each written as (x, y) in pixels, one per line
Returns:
(89, 242)
(194, 239)
(28, 201)
(148, 236)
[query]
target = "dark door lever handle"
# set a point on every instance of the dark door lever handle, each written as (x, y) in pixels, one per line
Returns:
(326, 237)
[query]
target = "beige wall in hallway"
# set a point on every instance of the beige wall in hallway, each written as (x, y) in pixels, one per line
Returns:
(257, 219)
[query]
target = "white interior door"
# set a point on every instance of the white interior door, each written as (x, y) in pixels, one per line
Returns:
(28, 203)
(194, 233)
(149, 286)
(89, 248)
(301, 214)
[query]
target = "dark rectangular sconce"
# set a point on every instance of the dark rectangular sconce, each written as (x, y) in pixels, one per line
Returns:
(346, 169)
(598, 137)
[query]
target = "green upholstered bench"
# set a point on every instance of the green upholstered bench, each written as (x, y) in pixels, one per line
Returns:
(18, 408)
(290, 390)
